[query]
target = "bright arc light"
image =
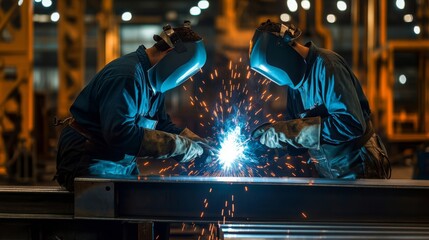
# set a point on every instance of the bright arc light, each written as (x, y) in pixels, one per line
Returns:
(331, 18)
(126, 16)
(232, 148)
(402, 79)
(292, 5)
(203, 4)
(46, 3)
(285, 17)
(195, 11)
(55, 16)
(37, 1)
(342, 6)
(400, 4)
(408, 18)
(20, 2)
(305, 4)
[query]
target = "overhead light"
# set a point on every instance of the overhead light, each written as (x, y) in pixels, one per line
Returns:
(285, 17)
(20, 2)
(305, 4)
(342, 6)
(408, 18)
(417, 30)
(402, 79)
(195, 11)
(37, 1)
(292, 5)
(126, 16)
(55, 16)
(331, 18)
(400, 4)
(203, 4)
(46, 3)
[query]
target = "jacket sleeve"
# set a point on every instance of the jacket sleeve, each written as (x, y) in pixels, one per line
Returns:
(164, 121)
(345, 120)
(118, 99)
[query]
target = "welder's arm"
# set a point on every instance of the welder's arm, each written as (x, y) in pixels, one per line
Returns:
(346, 119)
(299, 133)
(162, 145)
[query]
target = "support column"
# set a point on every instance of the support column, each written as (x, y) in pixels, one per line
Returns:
(71, 53)
(16, 84)
(108, 47)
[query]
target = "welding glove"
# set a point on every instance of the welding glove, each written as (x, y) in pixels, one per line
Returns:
(298, 133)
(191, 135)
(162, 145)
(206, 144)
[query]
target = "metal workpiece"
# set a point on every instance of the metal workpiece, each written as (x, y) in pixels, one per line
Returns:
(35, 202)
(234, 200)
(320, 230)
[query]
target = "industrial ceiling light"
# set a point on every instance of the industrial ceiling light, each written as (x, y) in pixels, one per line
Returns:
(292, 5)
(203, 4)
(46, 3)
(342, 6)
(126, 16)
(400, 4)
(408, 18)
(305, 4)
(195, 11)
(55, 16)
(285, 17)
(402, 79)
(331, 18)
(417, 30)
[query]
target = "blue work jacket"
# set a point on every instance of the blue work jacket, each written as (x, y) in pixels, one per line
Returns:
(331, 90)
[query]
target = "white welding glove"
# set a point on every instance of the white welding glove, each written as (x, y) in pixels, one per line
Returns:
(162, 145)
(299, 133)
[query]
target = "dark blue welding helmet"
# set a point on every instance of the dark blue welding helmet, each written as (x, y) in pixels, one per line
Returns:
(181, 63)
(272, 55)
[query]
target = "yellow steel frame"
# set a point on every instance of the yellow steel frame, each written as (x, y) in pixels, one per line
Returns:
(16, 84)
(71, 53)
(388, 83)
(108, 35)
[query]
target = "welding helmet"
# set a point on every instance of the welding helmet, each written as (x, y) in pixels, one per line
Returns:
(272, 55)
(181, 63)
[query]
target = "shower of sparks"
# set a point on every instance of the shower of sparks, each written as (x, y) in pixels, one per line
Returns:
(232, 108)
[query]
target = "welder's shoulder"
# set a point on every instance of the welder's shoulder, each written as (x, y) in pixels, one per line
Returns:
(332, 61)
(127, 65)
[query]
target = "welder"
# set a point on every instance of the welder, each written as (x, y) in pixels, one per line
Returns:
(120, 115)
(327, 112)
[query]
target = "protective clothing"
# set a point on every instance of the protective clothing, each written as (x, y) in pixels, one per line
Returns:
(116, 108)
(272, 56)
(179, 64)
(162, 145)
(299, 133)
(348, 146)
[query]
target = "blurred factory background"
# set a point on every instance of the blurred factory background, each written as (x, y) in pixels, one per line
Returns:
(49, 49)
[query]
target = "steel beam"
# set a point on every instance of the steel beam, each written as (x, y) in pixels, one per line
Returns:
(323, 231)
(228, 200)
(35, 202)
